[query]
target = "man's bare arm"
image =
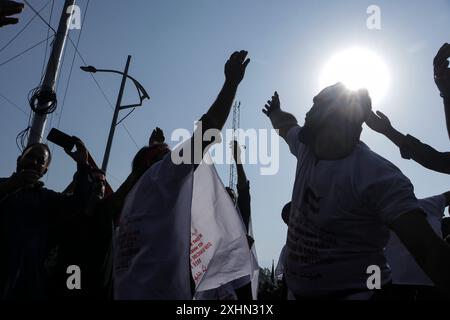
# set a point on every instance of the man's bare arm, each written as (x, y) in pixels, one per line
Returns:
(281, 120)
(410, 147)
(442, 79)
(430, 251)
(242, 185)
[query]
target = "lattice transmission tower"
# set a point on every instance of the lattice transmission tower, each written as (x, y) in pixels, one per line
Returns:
(235, 136)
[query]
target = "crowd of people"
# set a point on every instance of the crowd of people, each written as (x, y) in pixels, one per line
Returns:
(350, 210)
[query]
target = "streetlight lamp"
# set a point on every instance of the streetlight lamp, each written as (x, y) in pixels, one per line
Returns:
(142, 96)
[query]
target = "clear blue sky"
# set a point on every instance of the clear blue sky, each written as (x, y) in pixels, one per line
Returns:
(179, 48)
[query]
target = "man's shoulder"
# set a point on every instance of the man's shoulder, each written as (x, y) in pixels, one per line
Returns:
(369, 165)
(47, 193)
(294, 134)
(364, 154)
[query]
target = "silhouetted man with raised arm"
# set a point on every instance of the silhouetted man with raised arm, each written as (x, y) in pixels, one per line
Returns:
(28, 212)
(152, 259)
(242, 199)
(88, 240)
(345, 200)
(410, 147)
(442, 79)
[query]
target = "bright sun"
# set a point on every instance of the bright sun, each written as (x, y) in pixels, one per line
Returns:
(357, 68)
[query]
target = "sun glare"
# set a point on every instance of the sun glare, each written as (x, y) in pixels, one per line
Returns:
(357, 68)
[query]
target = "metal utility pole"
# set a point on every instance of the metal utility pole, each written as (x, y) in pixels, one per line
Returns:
(236, 124)
(51, 74)
(116, 114)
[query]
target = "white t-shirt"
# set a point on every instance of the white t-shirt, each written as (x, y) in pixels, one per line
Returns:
(339, 218)
(279, 270)
(405, 269)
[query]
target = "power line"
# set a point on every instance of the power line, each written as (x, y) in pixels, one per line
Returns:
(46, 44)
(23, 29)
(23, 52)
(79, 54)
(69, 77)
(40, 17)
(120, 121)
(114, 178)
(14, 105)
(22, 137)
(130, 136)
(103, 93)
(63, 59)
(73, 62)
(52, 113)
(92, 76)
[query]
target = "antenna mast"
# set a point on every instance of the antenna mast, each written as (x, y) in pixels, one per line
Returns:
(235, 126)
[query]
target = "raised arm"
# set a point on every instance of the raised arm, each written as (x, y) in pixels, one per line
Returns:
(380, 123)
(281, 120)
(82, 187)
(410, 147)
(237, 156)
(243, 186)
(234, 73)
(430, 251)
(216, 115)
(447, 198)
(442, 79)
(426, 155)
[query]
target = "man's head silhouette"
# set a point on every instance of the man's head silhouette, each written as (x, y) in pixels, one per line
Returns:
(36, 157)
(334, 123)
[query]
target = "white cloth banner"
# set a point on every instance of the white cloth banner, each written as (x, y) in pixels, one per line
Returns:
(219, 248)
(152, 242)
(227, 291)
(160, 234)
(255, 266)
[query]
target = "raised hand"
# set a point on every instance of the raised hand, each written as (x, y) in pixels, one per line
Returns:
(272, 105)
(235, 67)
(156, 137)
(379, 122)
(80, 155)
(9, 8)
(441, 70)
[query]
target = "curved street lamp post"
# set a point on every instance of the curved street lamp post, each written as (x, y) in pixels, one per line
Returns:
(142, 96)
